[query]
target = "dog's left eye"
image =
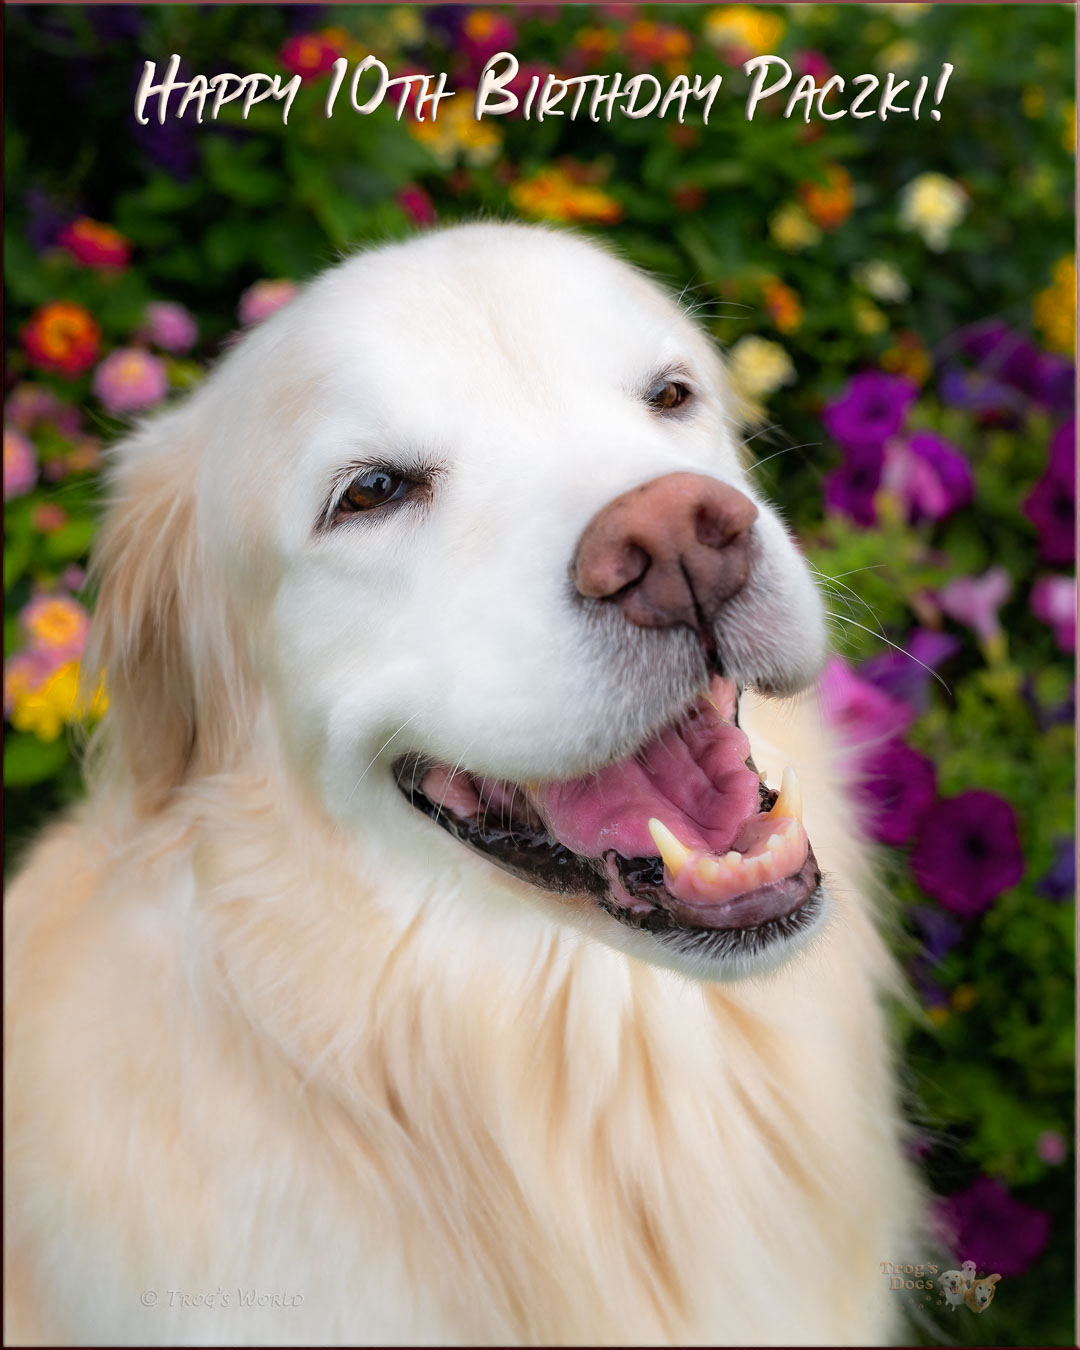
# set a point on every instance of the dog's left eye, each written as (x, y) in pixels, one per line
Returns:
(666, 395)
(372, 488)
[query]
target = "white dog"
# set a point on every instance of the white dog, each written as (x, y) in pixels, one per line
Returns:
(429, 964)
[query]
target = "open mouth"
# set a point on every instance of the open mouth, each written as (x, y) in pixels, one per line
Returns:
(682, 838)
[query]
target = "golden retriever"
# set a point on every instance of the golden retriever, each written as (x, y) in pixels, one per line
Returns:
(441, 955)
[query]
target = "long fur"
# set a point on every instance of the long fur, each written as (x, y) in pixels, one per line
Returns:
(274, 1077)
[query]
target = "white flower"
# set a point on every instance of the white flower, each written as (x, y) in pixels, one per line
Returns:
(933, 205)
(758, 367)
(883, 280)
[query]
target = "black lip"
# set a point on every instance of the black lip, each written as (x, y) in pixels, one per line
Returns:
(541, 861)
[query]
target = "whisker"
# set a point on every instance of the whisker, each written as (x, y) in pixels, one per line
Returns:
(896, 647)
(379, 752)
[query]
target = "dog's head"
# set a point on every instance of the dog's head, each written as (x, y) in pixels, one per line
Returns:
(980, 1294)
(464, 531)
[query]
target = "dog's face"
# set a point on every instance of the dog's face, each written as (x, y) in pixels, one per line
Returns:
(953, 1282)
(981, 1293)
(476, 507)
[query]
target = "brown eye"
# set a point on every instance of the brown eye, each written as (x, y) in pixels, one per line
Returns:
(372, 488)
(665, 395)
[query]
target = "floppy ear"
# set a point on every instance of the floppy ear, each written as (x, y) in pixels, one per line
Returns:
(992, 1279)
(161, 632)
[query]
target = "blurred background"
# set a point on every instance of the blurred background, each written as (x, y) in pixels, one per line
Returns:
(897, 300)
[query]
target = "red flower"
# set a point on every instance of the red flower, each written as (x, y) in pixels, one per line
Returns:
(417, 205)
(62, 337)
(97, 245)
(308, 55)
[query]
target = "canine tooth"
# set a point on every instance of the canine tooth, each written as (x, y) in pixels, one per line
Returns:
(789, 801)
(674, 854)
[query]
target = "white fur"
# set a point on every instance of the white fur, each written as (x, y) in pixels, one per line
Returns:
(273, 1030)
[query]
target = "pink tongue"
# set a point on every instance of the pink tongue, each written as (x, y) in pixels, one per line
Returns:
(693, 777)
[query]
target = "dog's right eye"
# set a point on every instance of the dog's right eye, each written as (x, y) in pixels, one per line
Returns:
(372, 488)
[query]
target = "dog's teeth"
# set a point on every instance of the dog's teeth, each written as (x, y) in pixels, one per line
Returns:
(709, 869)
(789, 801)
(674, 854)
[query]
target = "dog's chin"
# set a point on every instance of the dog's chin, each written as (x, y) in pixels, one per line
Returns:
(680, 842)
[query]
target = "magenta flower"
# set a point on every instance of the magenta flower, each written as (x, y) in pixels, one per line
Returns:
(975, 601)
(930, 478)
(871, 409)
(860, 714)
(20, 464)
(989, 1226)
(968, 851)
(1051, 506)
(417, 205)
(897, 787)
(850, 489)
(130, 380)
(258, 302)
(1053, 600)
(483, 33)
(170, 326)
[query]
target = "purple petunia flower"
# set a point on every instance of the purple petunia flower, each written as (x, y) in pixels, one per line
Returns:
(1051, 506)
(1009, 358)
(929, 476)
(989, 1226)
(979, 392)
(1053, 600)
(975, 601)
(1059, 883)
(968, 851)
(906, 675)
(870, 410)
(850, 489)
(939, 931)
(897, 787)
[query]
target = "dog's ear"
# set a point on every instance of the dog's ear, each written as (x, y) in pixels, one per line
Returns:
(992, 1279)
(161, 634)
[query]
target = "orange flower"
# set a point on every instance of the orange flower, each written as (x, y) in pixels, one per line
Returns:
(907, 357)
(784, 306)
(594, 44)
(97, 245)
(552, 194)
(648, 42)
(62, 337)
(829, 204)
(308, 55)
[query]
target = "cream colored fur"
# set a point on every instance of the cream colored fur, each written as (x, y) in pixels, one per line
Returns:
(257, 1047)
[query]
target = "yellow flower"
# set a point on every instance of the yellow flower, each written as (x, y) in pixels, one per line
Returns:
(793, 229)
(1068, 139)
(46, 708)
(748, 26)
(964, 997)
(457, 134)
(868, 318)
(757, 368)
(902, 13)
(551, 194)
(1033, 99)
(1055, 308)
(405, 24)
(897, 56)
(933, 205)
(907, 357)
(939, 1016)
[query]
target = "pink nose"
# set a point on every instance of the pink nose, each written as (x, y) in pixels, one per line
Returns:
(668, 552)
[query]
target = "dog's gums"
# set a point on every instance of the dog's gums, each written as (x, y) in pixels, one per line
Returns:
(681, 837)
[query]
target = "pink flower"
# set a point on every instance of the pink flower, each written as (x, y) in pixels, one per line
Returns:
(308, 55)
(55, 624)
(812, 62)
(29, 405)
(170, 326)
(258, 302)
(73, 577)
(1053, 600)
(1052, 1148)
(417, 205)
(485, 32)
(20, 464)
(975, 601)
(860, 713)
(129, 380)
(48, 517)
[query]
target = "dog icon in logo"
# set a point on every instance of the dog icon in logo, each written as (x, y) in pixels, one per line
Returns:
(980, 1293)
(954, 1285)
